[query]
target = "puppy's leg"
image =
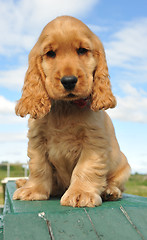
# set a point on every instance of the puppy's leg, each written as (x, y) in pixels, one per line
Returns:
(116, 181)
(20, 182)
(39, 184)
(88, 181)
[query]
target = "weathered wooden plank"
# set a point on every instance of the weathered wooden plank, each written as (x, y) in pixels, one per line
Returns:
(137, 217)
(71, 225)
(110, 224)
(24, 227)
(125, 219)
(66, 222)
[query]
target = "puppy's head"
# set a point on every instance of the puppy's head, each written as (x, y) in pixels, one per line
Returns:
(67, 63)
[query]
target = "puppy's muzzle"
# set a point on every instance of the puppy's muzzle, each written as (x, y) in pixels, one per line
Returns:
(69, 82)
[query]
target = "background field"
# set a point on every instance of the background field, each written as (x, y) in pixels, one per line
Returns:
(15, 171)
(137, 184)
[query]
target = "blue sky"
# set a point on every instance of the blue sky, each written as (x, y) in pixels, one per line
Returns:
(122, 27)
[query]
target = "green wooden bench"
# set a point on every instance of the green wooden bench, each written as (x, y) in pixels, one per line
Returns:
(124, 219)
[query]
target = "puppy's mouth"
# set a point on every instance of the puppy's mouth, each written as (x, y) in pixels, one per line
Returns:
(71, 95)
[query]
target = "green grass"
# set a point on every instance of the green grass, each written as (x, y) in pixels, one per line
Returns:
(137, 184)
(15, 171)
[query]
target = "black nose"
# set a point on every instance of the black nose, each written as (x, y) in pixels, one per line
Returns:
(69, 82)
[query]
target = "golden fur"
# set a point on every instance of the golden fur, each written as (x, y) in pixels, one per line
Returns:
(73, 150)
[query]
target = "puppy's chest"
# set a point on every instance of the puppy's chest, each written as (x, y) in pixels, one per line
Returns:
(66, 134)
(65, 142)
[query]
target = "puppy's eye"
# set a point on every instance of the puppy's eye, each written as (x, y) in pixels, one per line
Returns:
(82, 51)
(51, 54)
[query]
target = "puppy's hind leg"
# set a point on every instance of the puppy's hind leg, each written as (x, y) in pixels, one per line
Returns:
(20, 182)
(116, 182)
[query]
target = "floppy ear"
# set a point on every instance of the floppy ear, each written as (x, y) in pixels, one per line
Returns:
(35, 100)
(102, 96)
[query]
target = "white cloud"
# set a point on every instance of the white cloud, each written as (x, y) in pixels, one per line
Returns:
(128, 47)
(17, 151)
(11, 137)
(13, 79)
(13, 133)
(12, 119)
(45, 10)
(6, 106)
(21, 21)
(132, 106)
(7, 113)
(127, 52)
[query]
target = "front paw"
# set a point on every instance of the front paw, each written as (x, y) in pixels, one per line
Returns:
(80, 199)
(30, 194)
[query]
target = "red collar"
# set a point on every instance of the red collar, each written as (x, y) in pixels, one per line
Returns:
(81, 103)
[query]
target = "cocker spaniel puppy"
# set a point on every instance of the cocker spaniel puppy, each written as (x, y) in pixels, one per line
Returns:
(72, 146)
